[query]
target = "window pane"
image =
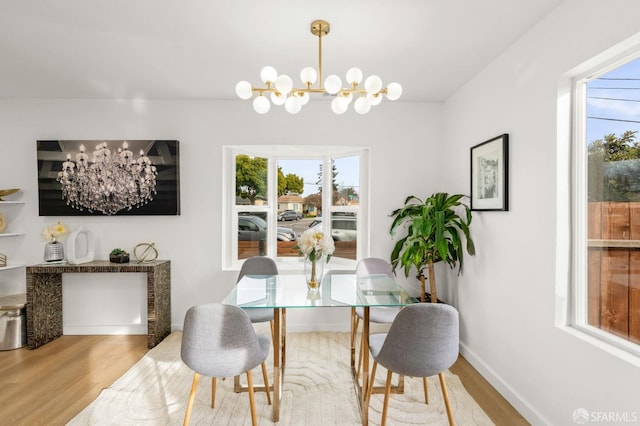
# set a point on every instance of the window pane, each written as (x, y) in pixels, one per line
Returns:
(346, 181)
(251, 180)
(252, 234)
(344, 231)
(613, 215)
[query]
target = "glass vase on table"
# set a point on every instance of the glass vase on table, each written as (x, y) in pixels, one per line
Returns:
(313, 269)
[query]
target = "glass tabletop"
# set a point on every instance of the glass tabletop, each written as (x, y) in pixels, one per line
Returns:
(290, 291)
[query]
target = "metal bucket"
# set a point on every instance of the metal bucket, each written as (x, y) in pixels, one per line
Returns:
(13, 329)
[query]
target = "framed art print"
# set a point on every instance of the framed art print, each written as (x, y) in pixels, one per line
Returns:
(490, 174)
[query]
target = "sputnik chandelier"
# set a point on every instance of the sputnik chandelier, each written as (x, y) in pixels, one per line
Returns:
(111, 182)
(281, 90)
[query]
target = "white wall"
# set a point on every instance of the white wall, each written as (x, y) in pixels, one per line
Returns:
(506, 296)
(404, 138)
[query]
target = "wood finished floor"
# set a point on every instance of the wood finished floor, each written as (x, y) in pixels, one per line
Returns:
(50, 385)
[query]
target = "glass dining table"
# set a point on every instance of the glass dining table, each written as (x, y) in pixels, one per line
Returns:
(349, 290)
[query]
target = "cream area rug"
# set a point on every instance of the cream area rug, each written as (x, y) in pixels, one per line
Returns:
(318, 390)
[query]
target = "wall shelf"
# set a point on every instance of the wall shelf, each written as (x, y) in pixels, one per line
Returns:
(11, 234)
(6, 268)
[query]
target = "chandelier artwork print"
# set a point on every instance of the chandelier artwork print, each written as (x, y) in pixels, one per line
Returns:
(106, 177)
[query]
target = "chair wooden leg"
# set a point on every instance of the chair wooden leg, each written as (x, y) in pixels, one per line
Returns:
(252, 403)
(426, 390)
(266, 382)
(445, 395)
(273, 335)
(236, 384)
(387, 391)
(360, 356)
(356, 321)
(192, 396)
(372, 378)
(213, 392)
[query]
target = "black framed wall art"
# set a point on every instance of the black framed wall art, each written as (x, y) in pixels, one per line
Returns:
(490, 174)
(108, 177)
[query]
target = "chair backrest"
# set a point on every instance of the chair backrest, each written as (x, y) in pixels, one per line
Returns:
(422, 341)
(373, 265)
(219, 341)
(258, 265)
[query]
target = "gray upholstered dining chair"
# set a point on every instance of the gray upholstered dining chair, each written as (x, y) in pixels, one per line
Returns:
(422, 342)
(219, 341)
(257, 265)
(379, 315)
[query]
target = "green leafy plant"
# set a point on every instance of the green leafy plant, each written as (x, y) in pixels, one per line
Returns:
(118, 252)
(433, 233)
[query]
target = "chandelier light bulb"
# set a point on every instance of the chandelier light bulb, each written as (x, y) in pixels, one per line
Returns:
(243, 90)
(373, 84)
(394, 91)
(333, 84)
(348, 98)
(308, 75)
(268, 74)
(354, 76)
(362, 105)
(304, 99)
(278, 100)
(284, 84)
(374, 99)
(261, 104)
(339, 105)
(293, 105)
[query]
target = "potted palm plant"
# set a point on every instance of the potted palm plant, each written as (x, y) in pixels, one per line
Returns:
(433, 233)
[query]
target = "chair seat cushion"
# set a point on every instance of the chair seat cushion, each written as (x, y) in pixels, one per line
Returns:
(379, 315)
(260, 314)
(375, 343)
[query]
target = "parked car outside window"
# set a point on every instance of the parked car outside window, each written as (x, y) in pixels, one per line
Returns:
(289, 215)
(254, 228)
(343, 228)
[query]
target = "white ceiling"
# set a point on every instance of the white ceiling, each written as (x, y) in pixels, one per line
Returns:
(199, 49)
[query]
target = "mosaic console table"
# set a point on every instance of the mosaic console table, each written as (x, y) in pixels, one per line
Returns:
(44, 297)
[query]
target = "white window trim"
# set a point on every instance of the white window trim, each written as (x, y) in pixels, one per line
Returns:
(272, 153)
(571, 243)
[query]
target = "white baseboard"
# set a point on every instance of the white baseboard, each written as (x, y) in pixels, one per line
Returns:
(84, 330)
(529, 412)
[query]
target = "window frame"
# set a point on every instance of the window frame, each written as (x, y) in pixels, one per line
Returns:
(273, 153)
(577, 298)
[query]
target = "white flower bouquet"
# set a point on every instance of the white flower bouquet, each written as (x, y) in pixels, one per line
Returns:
(315, 245)
(57, 230)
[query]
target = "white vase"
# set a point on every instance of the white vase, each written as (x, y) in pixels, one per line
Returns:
(313, 272)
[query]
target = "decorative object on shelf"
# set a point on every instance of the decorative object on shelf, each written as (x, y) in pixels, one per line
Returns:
(317, 248)
(113, 181)
(4, 192)
(118, 256)
(80, 246)
(434, 230)
(54, 249)
(282, 92)
(490, 174)
(3, 223)
(145, 252)
(3, 260)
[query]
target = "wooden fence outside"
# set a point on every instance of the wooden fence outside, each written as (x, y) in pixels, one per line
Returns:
(614, 268)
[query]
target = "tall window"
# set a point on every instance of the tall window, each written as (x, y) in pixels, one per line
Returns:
(274, 193)
(607, 278)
